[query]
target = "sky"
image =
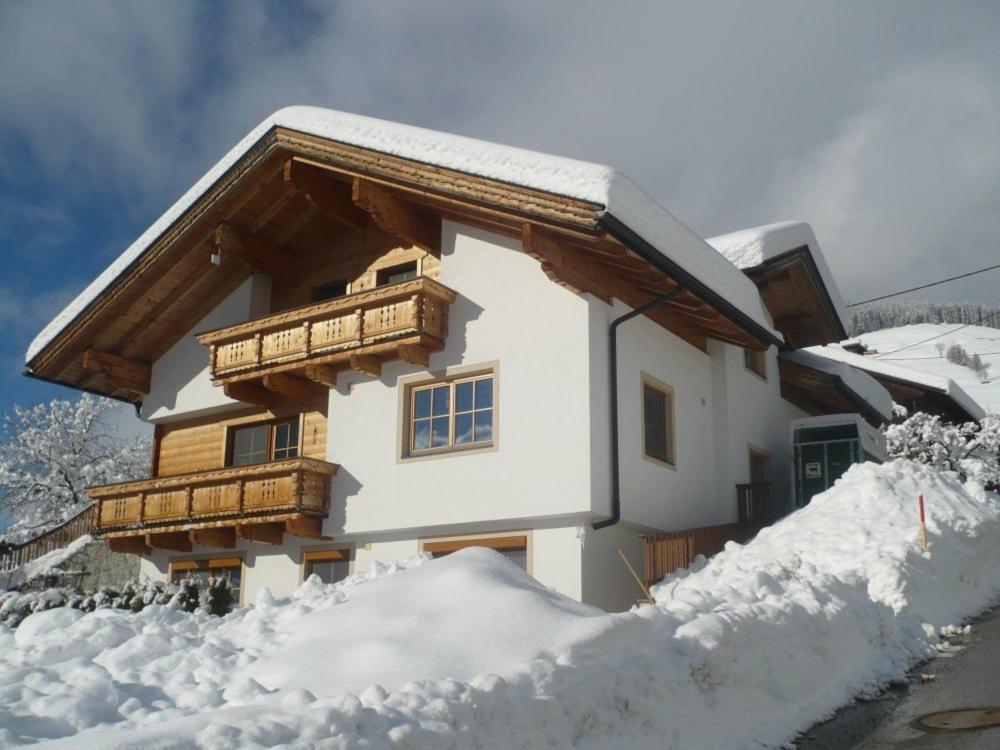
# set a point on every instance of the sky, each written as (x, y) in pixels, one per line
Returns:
(876, 123)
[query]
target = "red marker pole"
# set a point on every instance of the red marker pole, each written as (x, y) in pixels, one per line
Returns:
(923, 525)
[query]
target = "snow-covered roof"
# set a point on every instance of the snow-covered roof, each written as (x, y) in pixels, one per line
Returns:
(892, 371)
(595, 183)
(858, 381)
(748, 248)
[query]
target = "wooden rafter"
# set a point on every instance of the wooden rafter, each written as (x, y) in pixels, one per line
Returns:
(179, 541)
(323, 374)
(122, 372)
(231, 241)
(251, 392)
(398, 217)
(129, 545)
(324, 194)
(561, 266)
(367, 364)
(306, 526)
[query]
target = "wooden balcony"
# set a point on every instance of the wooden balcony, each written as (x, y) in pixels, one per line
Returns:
(287, 352)
(214, 508)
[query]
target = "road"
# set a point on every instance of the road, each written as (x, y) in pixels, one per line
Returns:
(969, 678)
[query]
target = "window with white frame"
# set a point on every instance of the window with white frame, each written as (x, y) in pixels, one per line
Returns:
(455, 414)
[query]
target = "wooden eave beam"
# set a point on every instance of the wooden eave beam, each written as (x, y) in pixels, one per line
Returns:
(324, 194)
(251, 392)
(179, 541)
(310, 527)
(398, 217)
(231, 241)
(366, 364)
(292, 387)
(219, 536)
(269, 533)
(577, 274)
(323, 374)
(120, 371)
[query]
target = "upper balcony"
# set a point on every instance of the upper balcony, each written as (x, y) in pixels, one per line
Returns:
(260, 502)
(287, 353)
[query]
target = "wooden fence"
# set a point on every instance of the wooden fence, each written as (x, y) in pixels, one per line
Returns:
(673, 550)
(14, 555)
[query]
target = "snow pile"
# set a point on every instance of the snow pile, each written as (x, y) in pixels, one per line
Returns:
(47, 564)
(586, 181)
(748, 248)
(467, 651)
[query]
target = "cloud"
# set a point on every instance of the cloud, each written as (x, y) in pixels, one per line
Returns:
(871, 121)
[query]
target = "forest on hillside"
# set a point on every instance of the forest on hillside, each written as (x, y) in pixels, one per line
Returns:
(879, 315)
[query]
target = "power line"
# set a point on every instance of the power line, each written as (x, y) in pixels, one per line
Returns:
(913, 359)
(940, 335)
(925, 286)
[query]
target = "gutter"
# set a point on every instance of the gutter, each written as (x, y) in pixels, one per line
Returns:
(658, 260)
(616, 500)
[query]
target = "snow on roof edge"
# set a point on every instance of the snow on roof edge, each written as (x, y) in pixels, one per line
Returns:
(939, 383)
(753, 246)
(859, 381)
(586, 181)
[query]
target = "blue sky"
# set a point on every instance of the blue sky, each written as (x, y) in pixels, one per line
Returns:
(876, 123)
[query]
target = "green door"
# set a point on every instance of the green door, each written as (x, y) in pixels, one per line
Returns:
(810, 470)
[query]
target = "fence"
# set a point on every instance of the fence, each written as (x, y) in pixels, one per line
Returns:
(15, 555)
(673, 550)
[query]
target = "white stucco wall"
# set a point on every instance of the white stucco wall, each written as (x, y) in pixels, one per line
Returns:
(181, 385)
(507, 312)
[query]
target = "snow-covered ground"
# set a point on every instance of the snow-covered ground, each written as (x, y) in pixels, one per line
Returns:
(467, 651)
(925, 357)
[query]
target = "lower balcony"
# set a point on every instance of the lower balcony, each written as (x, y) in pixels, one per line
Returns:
(261, 503)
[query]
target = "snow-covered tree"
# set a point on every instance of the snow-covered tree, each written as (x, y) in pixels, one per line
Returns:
(877, 316)
(50, 453)
(972, 449)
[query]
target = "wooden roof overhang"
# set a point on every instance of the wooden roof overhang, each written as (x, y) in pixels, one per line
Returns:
(926, 398)
(817, 392)
(800, 305)
(291, 189)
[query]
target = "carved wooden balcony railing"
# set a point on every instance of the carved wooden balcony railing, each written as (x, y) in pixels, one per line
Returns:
(259, 502)
(407, 320)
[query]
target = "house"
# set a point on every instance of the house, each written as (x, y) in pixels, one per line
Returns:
(914, 389)
(358, 340)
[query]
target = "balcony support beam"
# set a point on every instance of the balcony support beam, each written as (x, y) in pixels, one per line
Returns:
(220, 536)
(415, 355)
(307, 526)
(178, 541)
(269, 533)
(366, 364)
(250, 392)
(292, 387)
(398, 217)
(323, 374)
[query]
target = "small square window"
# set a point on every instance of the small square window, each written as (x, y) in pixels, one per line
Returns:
(756, 362)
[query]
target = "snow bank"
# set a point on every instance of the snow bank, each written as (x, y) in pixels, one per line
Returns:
(750, 648)
(568, 177)
(747, 248)
(893, 371)
(46, 564)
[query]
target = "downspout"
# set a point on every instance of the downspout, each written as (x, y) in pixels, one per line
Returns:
(616, 500)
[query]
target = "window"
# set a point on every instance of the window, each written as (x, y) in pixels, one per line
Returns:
(328, 291)
(658, 422)
(202, 570)
(259, 443)
(453, 414)
(514, 547)
(756, 362)
(395, 274)
(331, 565)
